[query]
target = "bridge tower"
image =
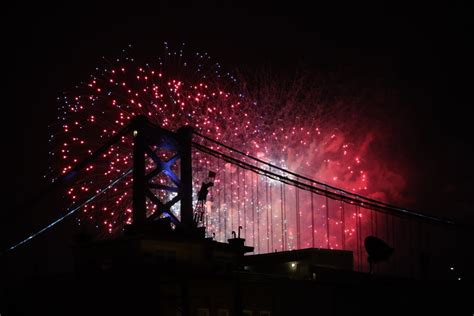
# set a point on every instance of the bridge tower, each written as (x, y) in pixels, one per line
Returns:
(176, 167)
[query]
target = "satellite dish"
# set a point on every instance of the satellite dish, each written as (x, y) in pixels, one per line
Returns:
(377, 250)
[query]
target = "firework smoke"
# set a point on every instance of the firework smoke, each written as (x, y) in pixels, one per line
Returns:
(298, 125)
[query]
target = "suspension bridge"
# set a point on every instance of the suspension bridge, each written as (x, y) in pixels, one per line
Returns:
(275, 209)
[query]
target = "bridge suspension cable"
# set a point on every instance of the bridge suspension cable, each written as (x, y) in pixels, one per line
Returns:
(325, 189)
(71, 211)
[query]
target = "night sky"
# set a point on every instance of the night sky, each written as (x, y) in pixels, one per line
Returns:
(424, 53)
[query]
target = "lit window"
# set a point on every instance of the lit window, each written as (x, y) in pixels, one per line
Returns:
(293, 266)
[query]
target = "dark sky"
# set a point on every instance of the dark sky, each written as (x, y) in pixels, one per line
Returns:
(424, 51)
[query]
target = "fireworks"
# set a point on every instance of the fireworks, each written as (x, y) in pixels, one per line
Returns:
(288, 126)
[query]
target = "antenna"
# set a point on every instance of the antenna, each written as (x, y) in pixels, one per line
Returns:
(377, 250)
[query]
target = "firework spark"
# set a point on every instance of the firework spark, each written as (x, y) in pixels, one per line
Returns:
(288, 126)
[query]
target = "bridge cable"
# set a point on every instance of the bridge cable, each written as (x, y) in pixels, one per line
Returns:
(70, 211)
(356, 196)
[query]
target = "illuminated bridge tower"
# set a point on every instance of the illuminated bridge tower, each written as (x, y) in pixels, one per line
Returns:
(149, 141)
(162, 175)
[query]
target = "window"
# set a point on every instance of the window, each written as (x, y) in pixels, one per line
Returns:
(203, 312)
(247, 313)
(293, 266)
(265, 313)
(222, 312)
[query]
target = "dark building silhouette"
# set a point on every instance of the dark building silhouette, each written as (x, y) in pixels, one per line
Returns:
(161, 271)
